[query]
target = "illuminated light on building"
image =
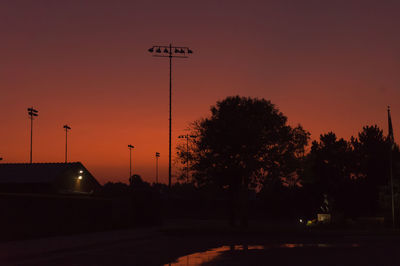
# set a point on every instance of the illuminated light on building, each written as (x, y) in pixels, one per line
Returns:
(47, 178)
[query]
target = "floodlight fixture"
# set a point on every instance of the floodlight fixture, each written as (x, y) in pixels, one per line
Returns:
(157, 156)
(130, 147)
(32, 113)
(66, 127)
(173, 52)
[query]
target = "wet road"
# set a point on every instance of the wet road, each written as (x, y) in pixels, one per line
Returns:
(151, 246)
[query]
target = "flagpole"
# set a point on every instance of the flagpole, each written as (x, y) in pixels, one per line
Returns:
(391, 138)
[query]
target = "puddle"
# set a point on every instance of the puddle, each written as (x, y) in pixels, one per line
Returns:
(209, 255)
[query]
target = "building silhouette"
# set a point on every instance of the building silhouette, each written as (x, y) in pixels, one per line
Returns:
(47, 178)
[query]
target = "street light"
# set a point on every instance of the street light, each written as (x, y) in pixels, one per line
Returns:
(187, 136)
(32, 113)
(173, 52)
(130, 160)
(157, 156)
(66, 141)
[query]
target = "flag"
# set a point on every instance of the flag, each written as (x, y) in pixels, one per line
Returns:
(390, 136)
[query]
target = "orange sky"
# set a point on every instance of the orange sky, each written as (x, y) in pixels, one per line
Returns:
(328, 65)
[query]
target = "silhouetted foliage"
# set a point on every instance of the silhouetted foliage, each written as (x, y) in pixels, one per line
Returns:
(372, 151)
(243, 144)
(118, 189)
(354, 174)
(137, 182)
(328, 170)
(244, 141)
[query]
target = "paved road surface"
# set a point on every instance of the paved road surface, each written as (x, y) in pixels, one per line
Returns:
(150, 246)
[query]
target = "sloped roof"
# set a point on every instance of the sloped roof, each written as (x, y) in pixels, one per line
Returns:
(35, 172)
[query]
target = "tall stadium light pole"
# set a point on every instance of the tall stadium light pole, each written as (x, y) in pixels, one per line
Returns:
(130, 160)
(187, 136)
(66, 141)
(391, 140)
(32, 113)
(170, 52)
(157, 156)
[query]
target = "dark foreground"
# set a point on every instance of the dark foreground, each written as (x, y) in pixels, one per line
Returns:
(209, 243)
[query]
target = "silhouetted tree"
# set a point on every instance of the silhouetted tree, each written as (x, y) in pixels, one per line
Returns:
(118, 189)
(136, 181)
(328, 170)
(242, 144)
(372, 150)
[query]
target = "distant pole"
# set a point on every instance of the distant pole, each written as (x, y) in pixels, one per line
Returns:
(66, 142)
(391, 139)
(32, 113)
(130, 160)
(187, 159)
(187, 136)
(157, 156)
(173, 52)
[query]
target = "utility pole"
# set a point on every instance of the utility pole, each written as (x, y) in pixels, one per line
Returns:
(66, 142)
(187, 136)
(130, 160)
(391, 140)
(171, 52)
(157, 156)
(32, 113)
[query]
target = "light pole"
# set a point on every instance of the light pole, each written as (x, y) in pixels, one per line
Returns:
(170, 52)
(391, 140)
(32, 113)
(157, 156)
(66, 142)
(130, 160)
(187, 136)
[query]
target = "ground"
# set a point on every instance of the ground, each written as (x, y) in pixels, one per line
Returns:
(171, 243)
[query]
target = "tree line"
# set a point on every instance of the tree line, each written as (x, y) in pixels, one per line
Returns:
(246, 146)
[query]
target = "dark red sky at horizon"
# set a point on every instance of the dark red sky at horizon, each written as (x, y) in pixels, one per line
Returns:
(328, 65)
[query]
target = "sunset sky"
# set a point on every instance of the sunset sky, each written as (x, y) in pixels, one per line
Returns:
(328, 65)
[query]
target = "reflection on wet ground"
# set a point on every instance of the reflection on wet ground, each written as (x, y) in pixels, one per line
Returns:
(200, 258)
